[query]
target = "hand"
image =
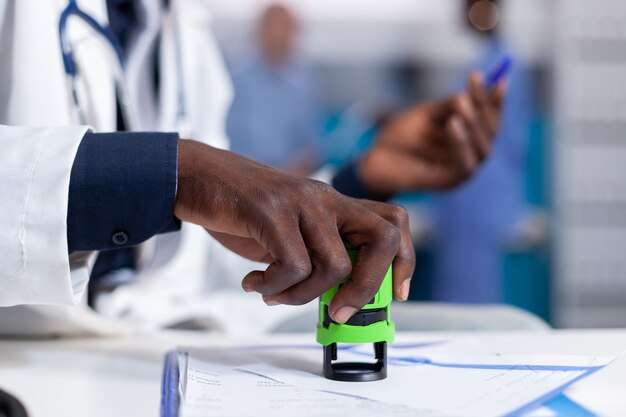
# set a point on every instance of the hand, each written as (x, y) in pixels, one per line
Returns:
(297, 225)
(436, 145)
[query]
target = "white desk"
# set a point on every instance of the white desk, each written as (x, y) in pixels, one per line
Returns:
(122, 377)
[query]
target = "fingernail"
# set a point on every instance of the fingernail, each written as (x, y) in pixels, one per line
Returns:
(343, 314)
(459, 129)
(270, 302)
(466, 104)
(404, 289)
(246, 287)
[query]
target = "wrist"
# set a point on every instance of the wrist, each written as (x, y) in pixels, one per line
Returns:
(349, 181)
(370, 170)
(212, 187)
(188, 193)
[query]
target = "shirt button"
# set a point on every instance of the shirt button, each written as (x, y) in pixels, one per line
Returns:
(120, 238)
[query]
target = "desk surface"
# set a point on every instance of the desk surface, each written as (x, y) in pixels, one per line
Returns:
(122, 376)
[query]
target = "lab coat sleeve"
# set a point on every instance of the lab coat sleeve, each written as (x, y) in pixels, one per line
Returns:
(35, 169)
(122, 189)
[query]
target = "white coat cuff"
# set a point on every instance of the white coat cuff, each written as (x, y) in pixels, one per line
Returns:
(35, 166)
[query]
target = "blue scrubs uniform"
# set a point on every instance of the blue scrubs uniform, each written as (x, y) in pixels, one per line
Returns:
(273, 118)
(473, 220)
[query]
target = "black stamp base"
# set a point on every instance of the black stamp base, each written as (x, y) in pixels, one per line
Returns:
(356, 371)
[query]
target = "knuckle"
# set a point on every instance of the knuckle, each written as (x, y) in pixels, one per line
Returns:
(398, 215)
(335, 267)
(457, 104)
(314, 193)
(299, 268)
(320, 187)
(390, 236)
(344, 267)
(340, 267)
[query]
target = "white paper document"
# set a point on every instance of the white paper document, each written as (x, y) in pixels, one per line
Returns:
(449, 379)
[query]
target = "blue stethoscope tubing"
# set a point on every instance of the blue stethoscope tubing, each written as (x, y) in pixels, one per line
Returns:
(69, 64)
(72, 9)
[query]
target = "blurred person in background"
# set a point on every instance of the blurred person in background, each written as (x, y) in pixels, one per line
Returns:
(474, 220)
(273, 118)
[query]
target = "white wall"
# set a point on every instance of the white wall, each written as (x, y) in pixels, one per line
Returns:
(590, 164)
(377, 30)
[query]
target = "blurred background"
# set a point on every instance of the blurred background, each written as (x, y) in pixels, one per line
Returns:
(542, 225)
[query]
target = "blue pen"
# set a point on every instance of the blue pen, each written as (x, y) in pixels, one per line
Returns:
(499, 71)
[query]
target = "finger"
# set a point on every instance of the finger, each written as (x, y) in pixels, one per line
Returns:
(246, 247)
(440, 111)
(404, 261)
(458, 142)
(497, 97)
(464, 158)
(378, 242)
(437, 146)
(487, 112)
(478, 137)
(498, 94)
(416, 131)
(291, 261)
(330, 261)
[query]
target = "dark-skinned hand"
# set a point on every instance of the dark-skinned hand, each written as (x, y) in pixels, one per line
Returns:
(297, 226)
(436, 145)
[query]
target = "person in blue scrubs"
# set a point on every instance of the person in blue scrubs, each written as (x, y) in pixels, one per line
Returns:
(473, 220)
(273, 118)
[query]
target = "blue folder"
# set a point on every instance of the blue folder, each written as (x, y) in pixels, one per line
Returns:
(170, 383)
(560, 404)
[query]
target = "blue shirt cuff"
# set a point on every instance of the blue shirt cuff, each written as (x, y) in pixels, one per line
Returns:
(348, 182)
(122, 190)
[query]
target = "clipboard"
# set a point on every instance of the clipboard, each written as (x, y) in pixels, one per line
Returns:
(171, 391)
(170, 385)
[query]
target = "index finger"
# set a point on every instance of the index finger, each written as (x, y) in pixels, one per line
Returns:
(378, 242)
(404, 261)
(291, 263)
(488, 102)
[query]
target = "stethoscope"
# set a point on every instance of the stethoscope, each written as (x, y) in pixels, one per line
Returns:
(183, 125)
(72, 71)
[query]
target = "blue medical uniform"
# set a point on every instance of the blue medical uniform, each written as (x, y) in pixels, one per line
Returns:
(273, 118)
(473, 220)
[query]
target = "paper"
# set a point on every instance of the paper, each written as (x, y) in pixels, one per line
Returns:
(450, 379)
